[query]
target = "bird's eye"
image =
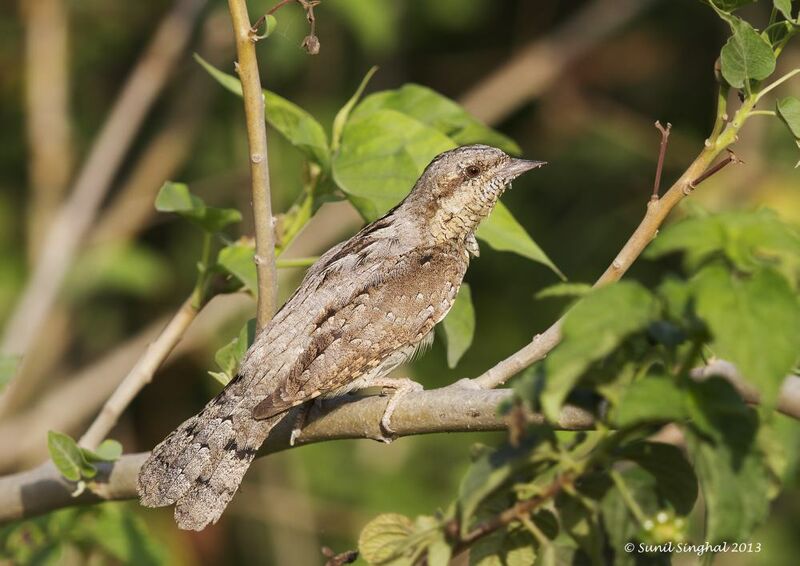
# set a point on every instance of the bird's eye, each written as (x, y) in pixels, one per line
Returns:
(473, 171)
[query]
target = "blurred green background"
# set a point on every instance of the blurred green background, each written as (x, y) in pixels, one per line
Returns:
(590, 117)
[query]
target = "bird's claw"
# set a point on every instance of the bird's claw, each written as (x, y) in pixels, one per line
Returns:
(397, 389)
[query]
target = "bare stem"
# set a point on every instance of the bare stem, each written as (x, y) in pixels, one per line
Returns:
(662, 152)
(776, 84)
(259, 162)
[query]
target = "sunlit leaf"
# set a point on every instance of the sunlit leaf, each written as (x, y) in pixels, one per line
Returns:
(382, 156)
(385, 539)
(108, 451)
(785, 8)
(344, 112)
(437, 111)
(175, 197)
(746, 56)
(502, 231)
(67, 457)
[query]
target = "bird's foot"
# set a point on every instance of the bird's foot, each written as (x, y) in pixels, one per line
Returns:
(400, 388)
(301, 420)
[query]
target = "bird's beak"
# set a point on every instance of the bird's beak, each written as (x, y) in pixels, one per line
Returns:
(516, 167)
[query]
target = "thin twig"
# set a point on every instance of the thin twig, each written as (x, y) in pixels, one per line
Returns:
(662, 152)
(731, 158)
(77, 214)
(141, 374)
(259, 163)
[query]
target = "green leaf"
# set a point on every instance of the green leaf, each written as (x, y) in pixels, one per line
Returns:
(652, 399)
(459, 326)
(755, 323)
(732, 472)
(784, 7)
(746, 56)
(68, 458)
(8, 369)
(108, 451)
(596, 325)
(344, 112)
(439, 552)
(270, 23)
(564, 290)
(175, 197)
(675, 479)
(436, 111)
(385, 539)
(789, 111)
(230, 355)
(293, 123)
(237, 259)
(502, 231)
(748, 239)
(382, 156)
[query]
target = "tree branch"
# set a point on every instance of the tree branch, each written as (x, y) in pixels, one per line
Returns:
(77, 214)
(449, 409)
(42, 489)
(259, 163)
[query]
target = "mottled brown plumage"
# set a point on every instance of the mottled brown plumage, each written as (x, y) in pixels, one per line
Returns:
(362, 309)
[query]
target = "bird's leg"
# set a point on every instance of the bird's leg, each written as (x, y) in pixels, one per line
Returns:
(400, 387)
(301, 420)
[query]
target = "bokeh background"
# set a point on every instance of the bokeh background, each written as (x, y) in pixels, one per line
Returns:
(578, 84)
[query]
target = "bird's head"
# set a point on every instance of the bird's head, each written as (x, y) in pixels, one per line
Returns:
(460, 187)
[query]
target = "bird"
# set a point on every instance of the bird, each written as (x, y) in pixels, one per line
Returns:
(366, 306)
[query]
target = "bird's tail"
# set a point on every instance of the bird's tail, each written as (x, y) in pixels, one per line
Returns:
(200, 465)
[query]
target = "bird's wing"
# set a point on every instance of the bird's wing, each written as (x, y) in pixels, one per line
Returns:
(394, 308)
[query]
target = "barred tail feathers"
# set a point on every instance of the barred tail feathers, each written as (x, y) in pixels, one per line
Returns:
(200, 465)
